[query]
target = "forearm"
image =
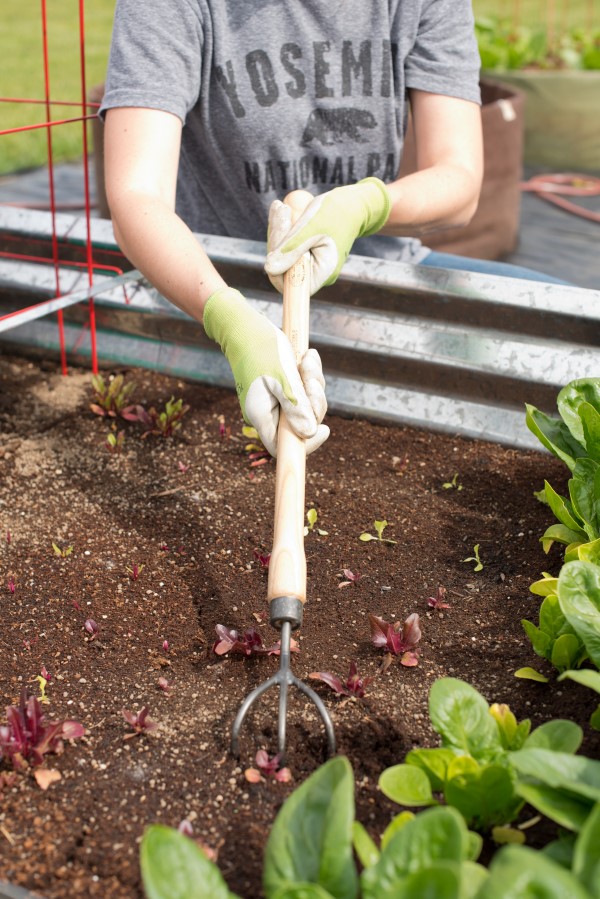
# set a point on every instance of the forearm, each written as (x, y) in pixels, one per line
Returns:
(164, 249)
(443, 196)
(444, 191)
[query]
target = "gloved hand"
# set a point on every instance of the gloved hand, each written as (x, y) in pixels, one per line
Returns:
(328, 227)
(264, 367)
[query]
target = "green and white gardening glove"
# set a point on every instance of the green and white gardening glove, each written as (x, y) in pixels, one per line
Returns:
(328, 227)
(264, 367)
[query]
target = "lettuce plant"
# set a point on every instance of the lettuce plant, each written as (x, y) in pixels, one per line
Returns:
(380, 527)
(475, 558)
(471, 770)
(554, 639)
(312, 518)
(28, 735)
(248, 643)
(397, 639)
(354, 685)
(139, 721)
(309, 855)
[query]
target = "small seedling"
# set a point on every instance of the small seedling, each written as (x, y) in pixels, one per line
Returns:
(267, 766)
(354, 685)
(397, 639)
(249, 643)
(27, 736)
(161, 424)
(92, 628)
(114, 442)
(42, 681)
(224, 430)
(312, 518)
(64, 552)
(164, 685)
(11, 584)
(110, 398)
(400, 465)
(262, 558)
(380, 527)
(165, 646)
(8, 537)
(439, 600)
(135, 571)
(351, 578)
(475, 558)
(257, 453)
(140, 722)
(453, 484)
(182, 467)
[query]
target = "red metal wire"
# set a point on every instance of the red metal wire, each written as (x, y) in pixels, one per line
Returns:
(33, 102)
(47, 124)
(61, 329)
(86, 182)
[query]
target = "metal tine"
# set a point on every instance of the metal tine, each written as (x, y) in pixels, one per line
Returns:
(284, 679)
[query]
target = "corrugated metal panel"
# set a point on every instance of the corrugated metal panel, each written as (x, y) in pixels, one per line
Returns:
(447, 350)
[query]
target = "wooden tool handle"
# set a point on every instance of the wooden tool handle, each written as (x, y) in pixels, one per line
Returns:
(287, 568)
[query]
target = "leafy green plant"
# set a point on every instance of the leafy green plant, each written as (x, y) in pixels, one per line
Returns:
(431, 855)
(380, 527)
(471, 770)
(452, 484)
(503, 45)
(312, 518)
(555, 639)
(111, 397)
(475, 558)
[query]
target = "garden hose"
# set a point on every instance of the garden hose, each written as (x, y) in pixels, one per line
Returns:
(554, 189)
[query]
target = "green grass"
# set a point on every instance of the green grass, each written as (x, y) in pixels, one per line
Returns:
(22, 75)
(567, 13)
(21, 71)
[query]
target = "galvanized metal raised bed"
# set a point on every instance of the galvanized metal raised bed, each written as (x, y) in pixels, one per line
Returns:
(446, 350)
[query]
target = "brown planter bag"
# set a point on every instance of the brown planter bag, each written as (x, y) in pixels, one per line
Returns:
(493, 231)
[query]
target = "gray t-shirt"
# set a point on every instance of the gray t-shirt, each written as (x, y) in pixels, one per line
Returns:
(278, 95)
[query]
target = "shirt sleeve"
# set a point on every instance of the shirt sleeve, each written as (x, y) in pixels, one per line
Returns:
(155, 56)
(444, 58)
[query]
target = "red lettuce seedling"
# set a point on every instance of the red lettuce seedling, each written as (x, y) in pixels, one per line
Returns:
(351, 578)
(8, 537)
(262, 558)
(269, 767)
(397, 639)
(354, 685)
(28, 735)
(249, 643)
(110, 399)
(230, 640)
(92, 628)
(141, 723)
(11, 584)
(438, 601)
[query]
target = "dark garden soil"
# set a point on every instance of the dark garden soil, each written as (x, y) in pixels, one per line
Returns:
(195, 532)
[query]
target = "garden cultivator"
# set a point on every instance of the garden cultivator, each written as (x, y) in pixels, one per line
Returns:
(287, 568)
